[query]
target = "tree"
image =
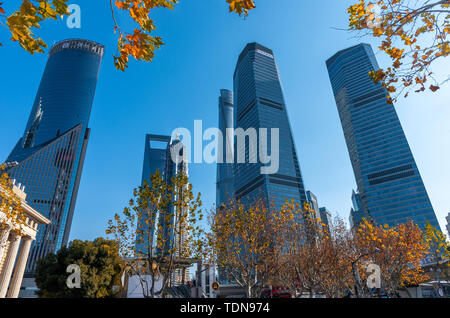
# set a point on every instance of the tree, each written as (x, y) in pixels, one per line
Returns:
(243, 240)
(158, 233)
(12, 216)
(439, 251)
(398, 251)
(100, 265)
(315, 257)
(340, 252)
(330, 260)
(140, 43)
(303, 259)
(414, 35)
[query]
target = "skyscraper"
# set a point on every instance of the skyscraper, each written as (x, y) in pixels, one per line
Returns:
(155, 155)
(158, 156)
(155, 158)
(259, 103)
(224, 189)
(49, 157)
(225, 172)
(357, 213)
(390, 186)
(322, 213)
(311, 198)
(326, 217)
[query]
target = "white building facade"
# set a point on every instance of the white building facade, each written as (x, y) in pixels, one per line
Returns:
(15, 247)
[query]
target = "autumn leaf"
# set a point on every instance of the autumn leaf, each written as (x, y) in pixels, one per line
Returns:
(10, 205)
(434, 88)
(142, 230)
(241, 6)
(402, 26)
(140, 42)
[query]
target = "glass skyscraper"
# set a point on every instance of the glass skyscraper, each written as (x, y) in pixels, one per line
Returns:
(48, 159)
(259, 103)
(225, 173)
(390, 187)
(155, 159)
(357, 213)
(311, 198)
(157, 156)
(326, 217)
(224, 190)
(322, 213)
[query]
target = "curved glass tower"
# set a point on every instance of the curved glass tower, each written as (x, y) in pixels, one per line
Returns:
(48, 159)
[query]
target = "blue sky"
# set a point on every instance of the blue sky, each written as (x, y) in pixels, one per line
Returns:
(182, 84)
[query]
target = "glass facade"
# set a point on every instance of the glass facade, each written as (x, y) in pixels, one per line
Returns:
(389, 183)
(225, 173)
(326, 217)
(322, 213)
(259, 103)
(48, 159)
(311, 198)
(357, 213)
(224, 190)
(157, 156)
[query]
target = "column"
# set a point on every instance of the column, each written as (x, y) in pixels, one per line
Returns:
(16, 281)
(3, 242)
(9, 264)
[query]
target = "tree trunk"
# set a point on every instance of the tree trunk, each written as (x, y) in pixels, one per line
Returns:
(152, 290)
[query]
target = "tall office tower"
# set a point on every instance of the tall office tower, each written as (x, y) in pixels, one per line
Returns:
(357, 213)
(325, 216)
(387, 176)
(224, 188)
(259, 103)
(322, 213)
(225, 173)
(311, 198)
(155, 158)
(49, 158)
(158, 156)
